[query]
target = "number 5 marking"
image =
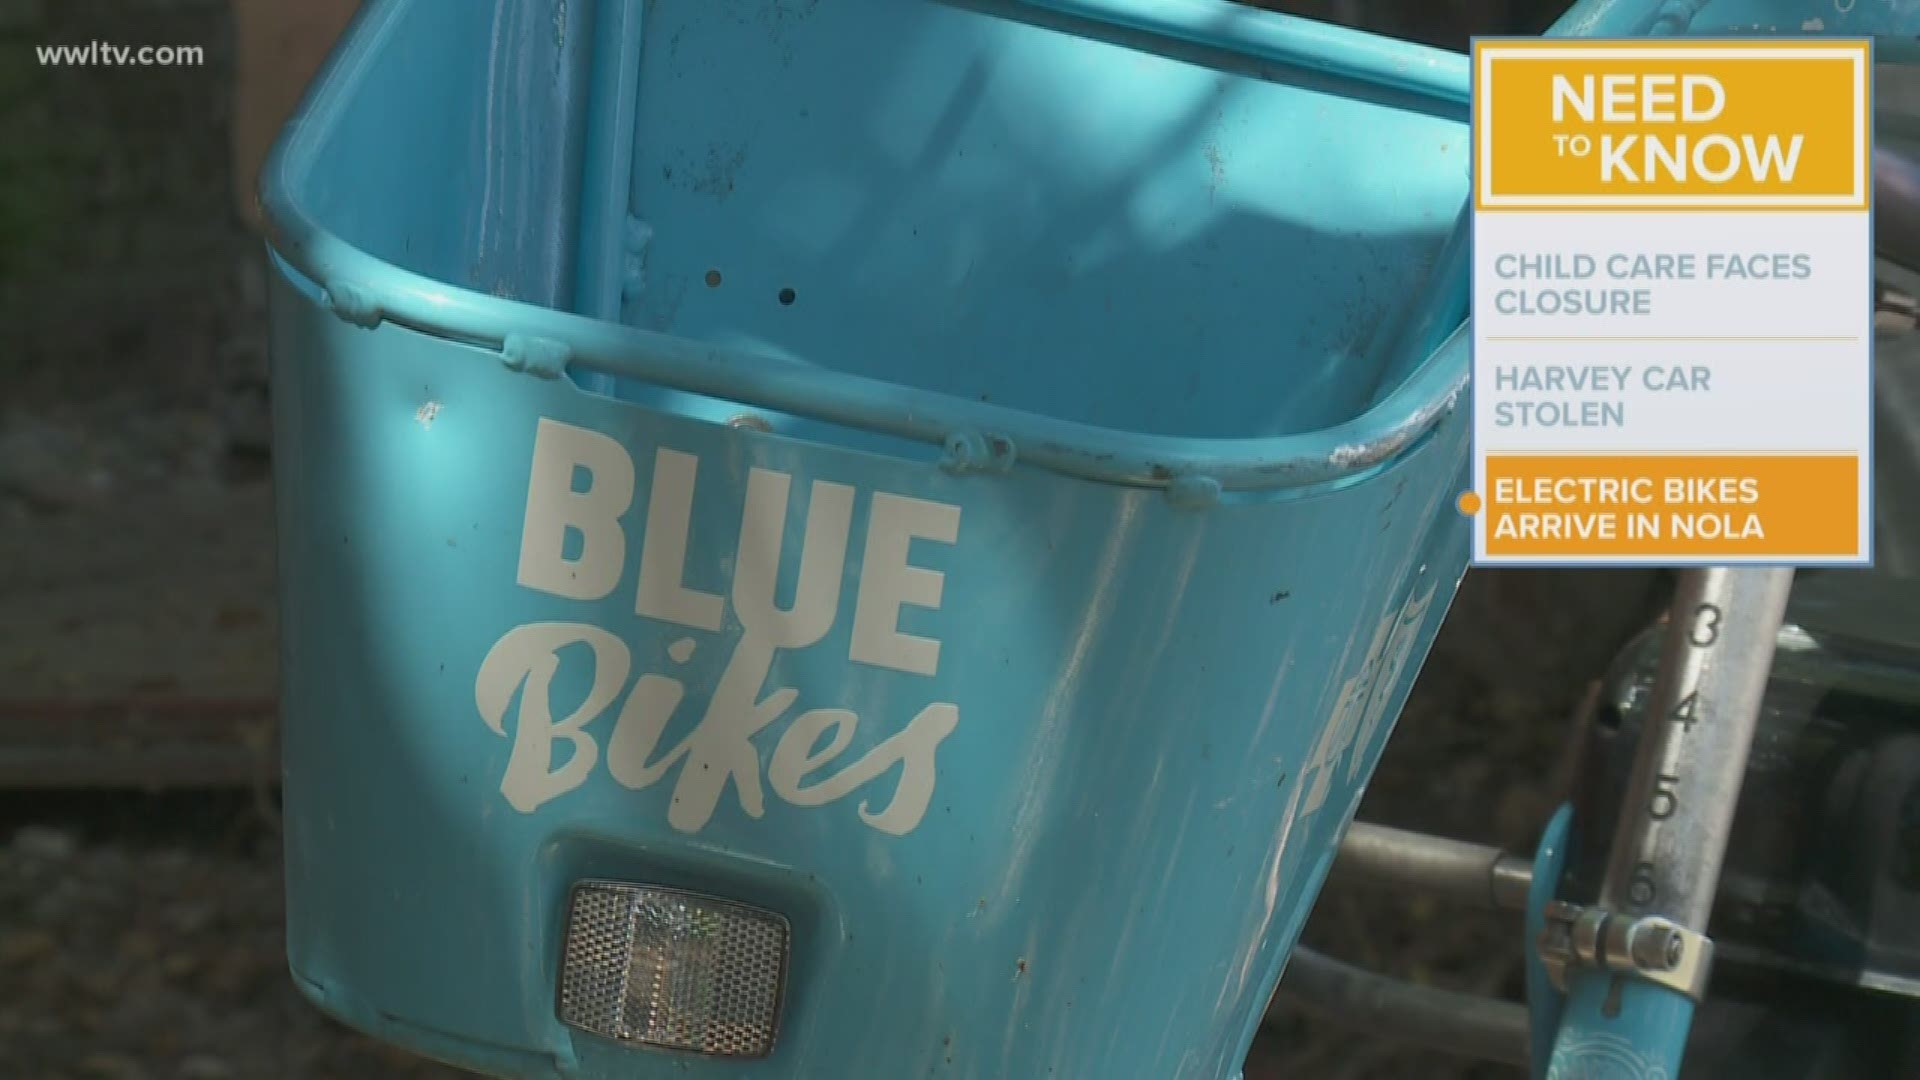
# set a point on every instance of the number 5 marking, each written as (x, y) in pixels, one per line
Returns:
(1665, 798)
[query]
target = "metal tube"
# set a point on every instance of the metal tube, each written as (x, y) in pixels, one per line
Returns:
(1894, 312)
(1475, 875)
(1512, 881)
(1896, 205)
(1704, 707)
(1445, 1020)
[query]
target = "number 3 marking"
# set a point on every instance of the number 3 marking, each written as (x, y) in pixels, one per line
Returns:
(1706, 626)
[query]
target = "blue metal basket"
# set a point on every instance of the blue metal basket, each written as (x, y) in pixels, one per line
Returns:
(973, 479)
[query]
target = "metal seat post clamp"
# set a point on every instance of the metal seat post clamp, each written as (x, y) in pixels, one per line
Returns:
(1647, 947)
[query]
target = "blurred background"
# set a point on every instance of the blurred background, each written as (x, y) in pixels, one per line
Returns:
(140, 888)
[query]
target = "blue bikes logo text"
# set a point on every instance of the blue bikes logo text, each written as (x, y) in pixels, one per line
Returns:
(807, 767)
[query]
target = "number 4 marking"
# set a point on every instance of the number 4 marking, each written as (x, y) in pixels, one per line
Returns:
(1687, 712)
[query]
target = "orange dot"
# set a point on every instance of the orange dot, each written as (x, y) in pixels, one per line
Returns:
(1469, 503)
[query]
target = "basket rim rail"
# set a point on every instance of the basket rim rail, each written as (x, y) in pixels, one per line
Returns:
(366, 290)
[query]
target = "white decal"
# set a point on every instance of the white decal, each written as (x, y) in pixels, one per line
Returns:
(887, 582)
(823, 557)
(663, 555)
(554, 510)
(796, 756)
(719, 750)
(525, 660)
(1602, 1055)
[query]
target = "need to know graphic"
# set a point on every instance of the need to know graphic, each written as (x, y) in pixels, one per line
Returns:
(1672, 311)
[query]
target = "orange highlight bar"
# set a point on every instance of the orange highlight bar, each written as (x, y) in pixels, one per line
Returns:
(1748, 125)
(1681, 506)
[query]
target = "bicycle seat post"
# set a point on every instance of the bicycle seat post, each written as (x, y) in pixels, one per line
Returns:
(1635, 964)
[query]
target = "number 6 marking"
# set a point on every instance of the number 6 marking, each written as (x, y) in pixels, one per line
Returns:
(1640, 888)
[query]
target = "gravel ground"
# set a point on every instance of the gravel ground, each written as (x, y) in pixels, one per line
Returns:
(140, 936)
(160, 957)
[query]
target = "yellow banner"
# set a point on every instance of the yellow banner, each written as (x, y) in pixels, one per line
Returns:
(1682, 506)
(1670, 125)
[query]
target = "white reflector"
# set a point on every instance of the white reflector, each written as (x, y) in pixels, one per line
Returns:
(673, 969)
